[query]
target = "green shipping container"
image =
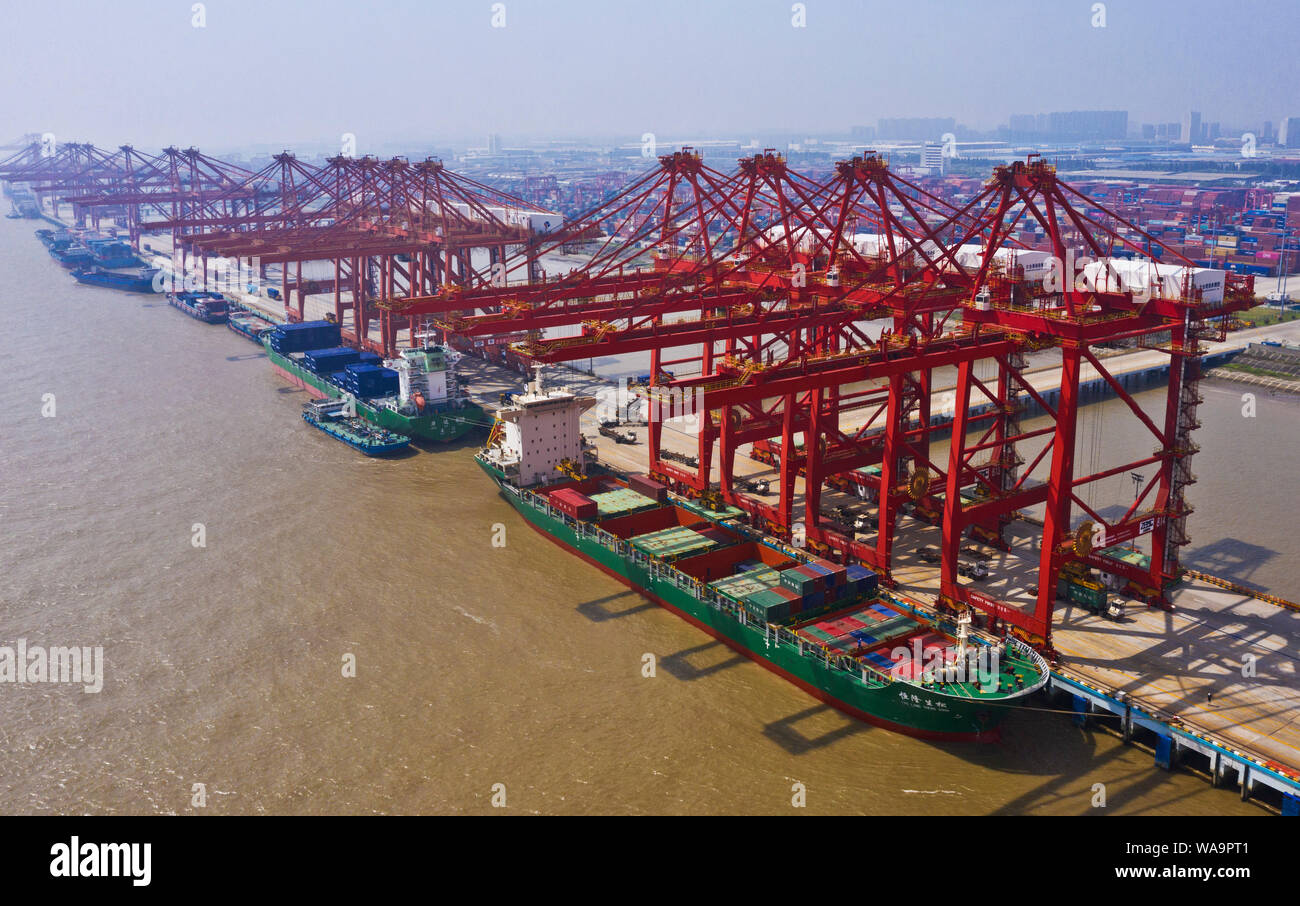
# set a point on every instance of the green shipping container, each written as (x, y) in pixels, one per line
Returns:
(802, 581)
(767, 606)
(1092, 598)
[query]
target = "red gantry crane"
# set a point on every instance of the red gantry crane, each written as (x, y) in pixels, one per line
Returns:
(779, 281)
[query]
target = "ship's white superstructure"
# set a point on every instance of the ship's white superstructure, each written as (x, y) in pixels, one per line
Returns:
(540, 431)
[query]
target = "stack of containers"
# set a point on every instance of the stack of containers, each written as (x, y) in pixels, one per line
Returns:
(773, 605)
(329, 361)
(674, 542)
(304, 335)
(807, 584)
(863, 580)
(836, 579)
(751, 582)
(619, 501)
(369, 380)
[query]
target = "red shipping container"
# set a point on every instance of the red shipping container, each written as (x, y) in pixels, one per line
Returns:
(571, 503)
(642, 484)
(795, 602)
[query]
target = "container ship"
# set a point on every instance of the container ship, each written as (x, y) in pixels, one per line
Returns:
(210, 308)
(415, 394)
(50, 237)
(826, 627)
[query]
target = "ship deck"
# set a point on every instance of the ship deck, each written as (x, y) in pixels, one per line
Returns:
(886, 639)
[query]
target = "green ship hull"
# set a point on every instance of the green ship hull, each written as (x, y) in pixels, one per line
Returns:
(443, 423)
(897, 705)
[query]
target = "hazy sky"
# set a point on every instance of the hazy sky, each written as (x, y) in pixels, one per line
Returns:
(287, 73)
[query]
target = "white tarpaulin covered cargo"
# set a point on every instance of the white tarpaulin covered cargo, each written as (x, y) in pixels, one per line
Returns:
(1147, 277)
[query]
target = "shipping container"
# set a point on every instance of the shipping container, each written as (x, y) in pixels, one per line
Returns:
(572, 503)
(865, 581)
(768, 606)
(803, 581)
(642, 484)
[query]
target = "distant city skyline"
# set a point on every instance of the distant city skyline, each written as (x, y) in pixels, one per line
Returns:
(418, 73)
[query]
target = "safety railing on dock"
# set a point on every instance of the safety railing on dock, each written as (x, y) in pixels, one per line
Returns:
(1174, 733)
(1243, 590)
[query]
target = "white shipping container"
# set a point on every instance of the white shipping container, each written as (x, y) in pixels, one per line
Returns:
(872, 244)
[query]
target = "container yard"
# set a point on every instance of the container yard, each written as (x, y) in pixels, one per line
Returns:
(622, 451)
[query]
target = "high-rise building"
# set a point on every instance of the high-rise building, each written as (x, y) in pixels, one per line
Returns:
(916, 128)
(1022, 124)
(932, 158)
(494, 144)
(1073, 125)
(1288, 132)
(1191, 127)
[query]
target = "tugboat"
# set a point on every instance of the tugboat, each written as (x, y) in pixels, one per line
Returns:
(140, 282)
(332, 417)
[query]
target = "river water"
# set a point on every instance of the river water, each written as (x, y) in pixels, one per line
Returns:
(475, 665)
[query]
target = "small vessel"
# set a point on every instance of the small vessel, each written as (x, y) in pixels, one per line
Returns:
(140, 282)
(113, 253)
(333, 417)
(248, 323)
(210, 308)
(71, 254)
(24, 206)
(825, 626)
(51, 237)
